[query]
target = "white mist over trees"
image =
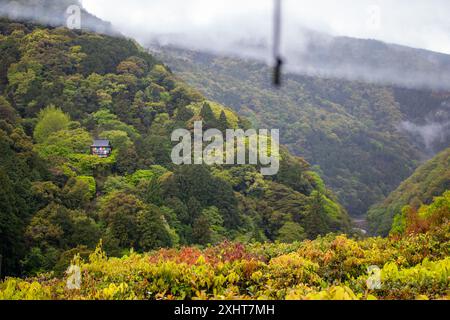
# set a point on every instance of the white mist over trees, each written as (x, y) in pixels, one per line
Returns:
(315, 38)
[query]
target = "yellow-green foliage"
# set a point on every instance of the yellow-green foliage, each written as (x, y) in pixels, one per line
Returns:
(14, 289)
(51, 120)
(335, 267)
(331, 268)
(90, 181)
(432, 277)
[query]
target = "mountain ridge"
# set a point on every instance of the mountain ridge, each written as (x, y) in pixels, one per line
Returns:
(318, 54)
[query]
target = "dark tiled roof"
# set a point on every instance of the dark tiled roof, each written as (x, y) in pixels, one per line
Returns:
(101, 143)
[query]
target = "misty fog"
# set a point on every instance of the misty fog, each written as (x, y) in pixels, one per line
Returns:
(46, 12)
(430, 133)
(319, 37)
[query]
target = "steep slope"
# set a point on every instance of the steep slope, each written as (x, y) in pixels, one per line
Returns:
(430, 180)
(64, 88)
(363, 138)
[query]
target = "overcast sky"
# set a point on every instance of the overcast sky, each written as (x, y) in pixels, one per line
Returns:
(222, 23)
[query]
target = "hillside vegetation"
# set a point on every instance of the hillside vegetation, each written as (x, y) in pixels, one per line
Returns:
(412, 265)
(430, 180)
(364, 139)
(60, 90)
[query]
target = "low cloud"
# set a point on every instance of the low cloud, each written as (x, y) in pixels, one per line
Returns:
(53, 13)
(431, 133)
(315, 33)
(416, 23)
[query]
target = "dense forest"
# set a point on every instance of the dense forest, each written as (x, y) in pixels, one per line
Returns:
(62, 89)
(364, 139)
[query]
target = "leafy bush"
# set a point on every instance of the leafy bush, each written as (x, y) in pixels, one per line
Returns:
(330, 268)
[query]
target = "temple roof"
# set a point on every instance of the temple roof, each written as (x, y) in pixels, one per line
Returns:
(101, 143)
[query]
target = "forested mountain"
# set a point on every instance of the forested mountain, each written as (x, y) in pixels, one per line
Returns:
(430, 180)
(365, 139)
(59, 90)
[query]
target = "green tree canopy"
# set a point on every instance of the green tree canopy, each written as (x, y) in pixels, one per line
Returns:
(51, 120)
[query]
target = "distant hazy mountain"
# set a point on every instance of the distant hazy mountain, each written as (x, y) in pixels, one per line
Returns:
(371, 60)
(318, 54)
